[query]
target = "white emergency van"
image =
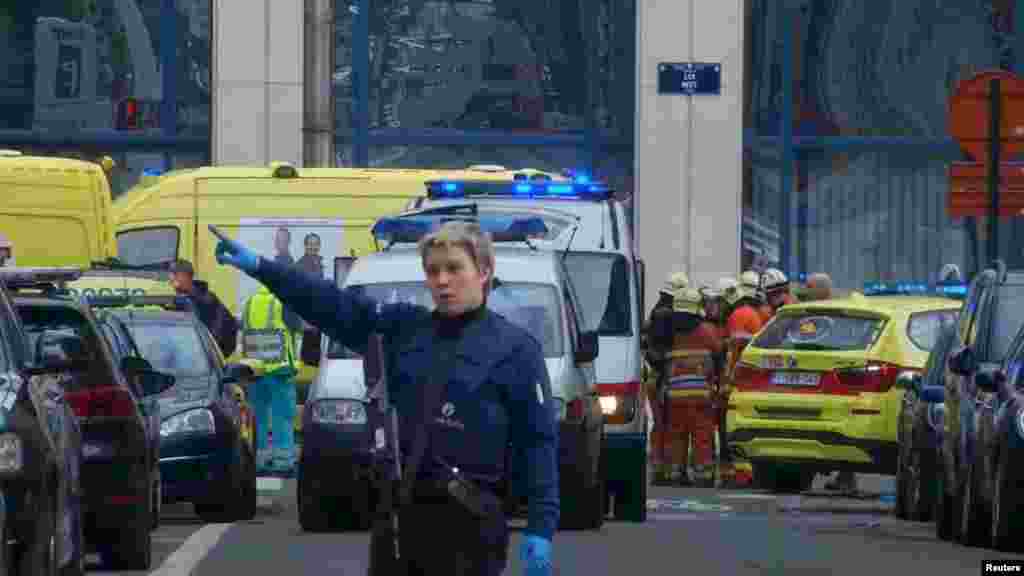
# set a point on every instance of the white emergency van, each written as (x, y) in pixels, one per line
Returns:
(583, 216)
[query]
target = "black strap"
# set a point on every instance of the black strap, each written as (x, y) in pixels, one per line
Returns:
(430, 399)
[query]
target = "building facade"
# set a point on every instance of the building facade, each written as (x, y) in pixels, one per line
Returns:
(826, 149)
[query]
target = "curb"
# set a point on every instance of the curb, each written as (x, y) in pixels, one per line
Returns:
(831, 506)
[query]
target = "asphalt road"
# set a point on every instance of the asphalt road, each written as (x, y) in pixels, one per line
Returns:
(727, 532)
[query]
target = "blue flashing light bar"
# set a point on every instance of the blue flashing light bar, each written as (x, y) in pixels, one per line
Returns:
(409, 229)
(152, 172)
(949, 289)
(581, 188)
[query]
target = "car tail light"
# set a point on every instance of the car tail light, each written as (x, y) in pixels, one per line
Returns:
(574, 410)
(102, 402)
(619, 401)
(872, 377)
(749, 377)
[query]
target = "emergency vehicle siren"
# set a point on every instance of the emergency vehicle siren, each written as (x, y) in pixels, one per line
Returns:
(579, 186)
(409, 227)
(956, 290)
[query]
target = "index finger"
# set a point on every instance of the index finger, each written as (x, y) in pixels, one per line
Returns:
(216, 232)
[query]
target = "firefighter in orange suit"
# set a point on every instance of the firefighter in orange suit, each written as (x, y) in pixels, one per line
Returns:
(745, 318)
(658, 333)
(692, 379)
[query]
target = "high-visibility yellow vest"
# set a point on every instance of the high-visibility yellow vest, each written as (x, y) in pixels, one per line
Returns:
(266, 339)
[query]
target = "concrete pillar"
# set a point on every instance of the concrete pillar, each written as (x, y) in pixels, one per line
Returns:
(318, 134)
(257, 81)
(689, 150)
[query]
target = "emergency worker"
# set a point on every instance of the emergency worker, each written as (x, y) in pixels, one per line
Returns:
(497, 394)
(268, 347)
(210, 310)
(776, 292)
(659, 341)
(692, 378)
(745, 319)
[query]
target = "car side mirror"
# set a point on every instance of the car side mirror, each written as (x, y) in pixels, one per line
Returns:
(310, 351)
(238, 374)
(962, 362)
(135, 365)
(152, 382)
(909, 381)
(586, 348)
(989, 380)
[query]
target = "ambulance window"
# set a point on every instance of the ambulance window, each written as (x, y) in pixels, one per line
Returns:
(143, 246)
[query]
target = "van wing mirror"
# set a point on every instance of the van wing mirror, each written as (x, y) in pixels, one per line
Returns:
(586, 348)
(152, 382)
(962, 362)
(135, 365)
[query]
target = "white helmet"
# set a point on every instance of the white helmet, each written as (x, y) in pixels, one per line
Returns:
(750, 280)
(773, 279)
(950, 273)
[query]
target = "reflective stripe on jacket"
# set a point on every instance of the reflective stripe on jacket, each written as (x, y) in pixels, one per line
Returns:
(691, 362)
(263, 317)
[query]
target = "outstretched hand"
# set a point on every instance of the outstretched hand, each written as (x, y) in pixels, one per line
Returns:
(232, 253)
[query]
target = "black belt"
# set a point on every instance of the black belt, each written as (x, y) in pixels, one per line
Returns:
(479, 498)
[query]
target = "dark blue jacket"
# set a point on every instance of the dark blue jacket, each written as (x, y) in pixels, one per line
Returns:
(494, 391)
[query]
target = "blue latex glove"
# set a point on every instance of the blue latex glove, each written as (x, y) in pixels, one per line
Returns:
(234, 254)
(535, 553)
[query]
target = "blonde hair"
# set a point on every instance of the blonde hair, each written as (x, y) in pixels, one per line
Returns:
(465, 235)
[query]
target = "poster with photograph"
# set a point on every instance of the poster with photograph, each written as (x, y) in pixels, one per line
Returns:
(311, 244)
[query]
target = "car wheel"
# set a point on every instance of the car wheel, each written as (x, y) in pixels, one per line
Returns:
(312, 515)
(158, 495)
(923, 484)
(39, 556)
(902, 489)
(132, 548)
(248, 493)
(1006, 511)
(944, 505)
(974, 524)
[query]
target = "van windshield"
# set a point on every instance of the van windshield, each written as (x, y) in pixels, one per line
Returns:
(144, 246)
(601, 281)
(534, 307)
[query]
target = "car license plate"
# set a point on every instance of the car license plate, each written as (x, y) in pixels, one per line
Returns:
(795, 379)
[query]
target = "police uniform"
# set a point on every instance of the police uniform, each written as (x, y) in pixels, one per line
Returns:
(268, 346)
(497, 395)
(691, 382)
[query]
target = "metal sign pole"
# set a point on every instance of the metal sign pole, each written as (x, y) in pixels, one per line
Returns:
(994, 145)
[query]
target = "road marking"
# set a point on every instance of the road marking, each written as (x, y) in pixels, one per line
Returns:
(746, 496)
(269, 484)
(686, 504)
(184, 560)
(674, 516)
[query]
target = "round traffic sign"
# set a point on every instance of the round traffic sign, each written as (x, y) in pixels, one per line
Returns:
(969, 114)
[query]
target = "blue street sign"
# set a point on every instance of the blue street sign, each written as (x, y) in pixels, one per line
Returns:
(689, 78)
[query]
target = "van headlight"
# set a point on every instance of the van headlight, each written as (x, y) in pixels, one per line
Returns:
(11, 455)
(192, 421)
(339, 412)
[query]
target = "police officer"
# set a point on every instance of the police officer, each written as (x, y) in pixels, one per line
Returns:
(497, 394)
(268, 346)
(659, 334)
(692, 377)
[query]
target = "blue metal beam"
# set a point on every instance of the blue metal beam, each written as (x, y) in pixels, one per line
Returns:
(361, 84)
(786, 150)
(111, 141)
(454, 137)
(843, 143)
(169, 42)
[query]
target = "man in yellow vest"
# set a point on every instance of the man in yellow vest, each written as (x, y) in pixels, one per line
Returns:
(268, 346)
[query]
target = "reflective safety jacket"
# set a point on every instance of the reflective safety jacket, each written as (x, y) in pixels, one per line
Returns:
(744, 322)
(266, 340)
(692, 362)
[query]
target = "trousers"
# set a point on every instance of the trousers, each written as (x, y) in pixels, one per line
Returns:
(692, 418)
(273, 404)
(467, 546)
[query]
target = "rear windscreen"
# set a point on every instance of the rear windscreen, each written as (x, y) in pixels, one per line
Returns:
(64, 334)
(819, 330)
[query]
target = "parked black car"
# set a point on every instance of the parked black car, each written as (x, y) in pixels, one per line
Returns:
(986, 327)
(123, 346)
(206, 452)
(919, 431)
(996, 468)
(117, 462)
(40, 450)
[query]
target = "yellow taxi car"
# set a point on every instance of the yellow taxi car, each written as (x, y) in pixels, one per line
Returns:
(819, 388)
